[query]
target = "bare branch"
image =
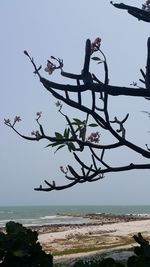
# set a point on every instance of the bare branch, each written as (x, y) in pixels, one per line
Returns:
(100, 159)
(86, 76)
(109, 89)
(36, 69)
(121, 129)
(94, 177)
(82, 163)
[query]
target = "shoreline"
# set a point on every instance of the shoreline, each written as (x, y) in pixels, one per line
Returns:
(105, 235)
(94, 219)
(91, 219)
(111, 237)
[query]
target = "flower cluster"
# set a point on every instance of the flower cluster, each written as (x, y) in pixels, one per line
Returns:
(94, 137)
(8, 121)
(50, 67)
(146, 6)
(63, 170)
(36, 134)
(95, 45)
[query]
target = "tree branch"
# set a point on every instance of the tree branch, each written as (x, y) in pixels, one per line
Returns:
(109, 89)
(147, 76)
(140, 14)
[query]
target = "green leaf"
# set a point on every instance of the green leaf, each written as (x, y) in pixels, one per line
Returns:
(82, 133)
(96, 58)
(66, 133)
(54, 144)
(71, 146)
(93, 125)
(57, 143)
(58, 135)
(77, 121)
(48, 145)
(59, 148)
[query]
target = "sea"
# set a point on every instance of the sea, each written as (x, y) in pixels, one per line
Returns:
(48, 215)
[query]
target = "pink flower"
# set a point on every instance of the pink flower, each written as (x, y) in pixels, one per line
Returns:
(94, 137)
(50, 67)
(7, 121)
(17, 119)
(95, 45)
(36, 134)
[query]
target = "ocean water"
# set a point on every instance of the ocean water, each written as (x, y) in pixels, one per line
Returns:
(45, 215)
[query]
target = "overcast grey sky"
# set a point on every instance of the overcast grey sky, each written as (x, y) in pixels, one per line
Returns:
(60, 28)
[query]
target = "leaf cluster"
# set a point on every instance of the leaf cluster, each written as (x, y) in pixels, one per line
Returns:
(78, 128)
(61, 141)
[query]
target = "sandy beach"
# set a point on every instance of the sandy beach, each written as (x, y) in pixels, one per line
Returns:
(108, 236)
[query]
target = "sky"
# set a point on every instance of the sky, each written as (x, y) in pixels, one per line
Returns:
(60, 28)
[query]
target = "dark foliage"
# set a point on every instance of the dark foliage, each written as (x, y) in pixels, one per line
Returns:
(19, 248)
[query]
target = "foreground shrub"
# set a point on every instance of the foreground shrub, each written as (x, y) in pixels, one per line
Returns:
(142, 258)
(19, 247)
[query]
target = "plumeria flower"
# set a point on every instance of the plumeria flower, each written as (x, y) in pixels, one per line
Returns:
(50, 67)
(94, 137)
(36, 134)
(95, 45)
(17, 119)
(7, 121)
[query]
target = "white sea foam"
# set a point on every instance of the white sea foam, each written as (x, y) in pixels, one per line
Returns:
(48, 217)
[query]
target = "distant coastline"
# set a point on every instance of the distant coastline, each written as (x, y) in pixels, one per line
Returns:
(51, 215)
